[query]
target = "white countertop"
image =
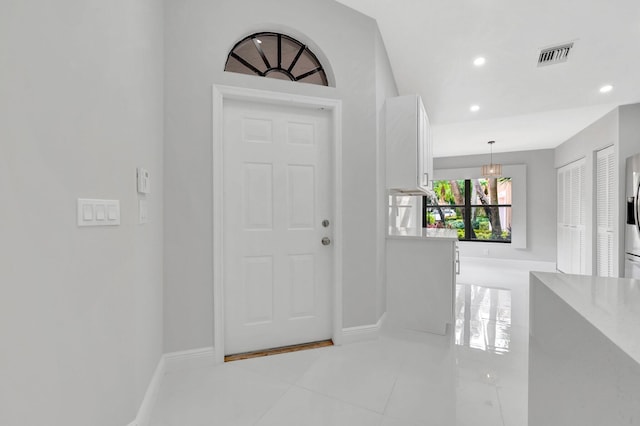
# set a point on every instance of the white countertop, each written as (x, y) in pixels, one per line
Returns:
(420, 233)
(612, 305)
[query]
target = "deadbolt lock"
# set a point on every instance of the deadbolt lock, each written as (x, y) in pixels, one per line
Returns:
(325, 223)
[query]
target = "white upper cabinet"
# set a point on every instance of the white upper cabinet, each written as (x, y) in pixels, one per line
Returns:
(409, 147)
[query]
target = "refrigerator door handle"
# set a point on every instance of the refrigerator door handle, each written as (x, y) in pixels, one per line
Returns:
(637, 208)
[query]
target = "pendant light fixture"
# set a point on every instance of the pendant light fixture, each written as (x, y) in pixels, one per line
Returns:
(491, 170)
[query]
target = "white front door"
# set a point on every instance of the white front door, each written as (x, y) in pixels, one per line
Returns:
(277, 181)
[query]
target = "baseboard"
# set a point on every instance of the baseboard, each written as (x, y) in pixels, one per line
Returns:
(363, 332)
(143, 418)
(194, 358)
(169, 362)
(523, 264)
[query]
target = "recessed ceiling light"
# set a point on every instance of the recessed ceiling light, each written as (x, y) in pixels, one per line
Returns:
(258, 41)
(475, 108)
(606, 88)
(479, 61)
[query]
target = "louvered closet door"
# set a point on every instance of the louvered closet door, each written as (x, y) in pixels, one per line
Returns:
(605, 206)
(577, 220)
(563, 255)
(571, 253)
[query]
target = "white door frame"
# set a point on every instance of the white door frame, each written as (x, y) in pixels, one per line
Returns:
(220, 93)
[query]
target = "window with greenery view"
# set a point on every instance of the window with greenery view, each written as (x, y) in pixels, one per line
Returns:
(479, 209)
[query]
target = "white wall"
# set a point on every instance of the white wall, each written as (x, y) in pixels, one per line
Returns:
(80, 308)
(540, 202)
(597, 136)
(620, 128)
(385, 88)
(198, 37)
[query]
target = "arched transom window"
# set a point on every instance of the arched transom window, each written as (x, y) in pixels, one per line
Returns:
(278, 56)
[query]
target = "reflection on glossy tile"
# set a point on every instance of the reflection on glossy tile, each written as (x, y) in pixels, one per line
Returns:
(513, 404)
(424, 400)
(362, 374)
(483, 318)
(477, 404)
(476, 375)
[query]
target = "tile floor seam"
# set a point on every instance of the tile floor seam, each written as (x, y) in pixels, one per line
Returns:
(393, 387)
(500, 406)
(298, 384)
(335, 398)
(260, 373)
(270, 409)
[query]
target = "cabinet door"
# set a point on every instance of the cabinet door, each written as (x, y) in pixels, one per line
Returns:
(409, 157)
(425, 148)
(402, 129)
(423, 175)
(421, 283)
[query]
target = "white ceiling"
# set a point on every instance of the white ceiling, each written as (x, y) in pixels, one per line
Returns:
(432, 45)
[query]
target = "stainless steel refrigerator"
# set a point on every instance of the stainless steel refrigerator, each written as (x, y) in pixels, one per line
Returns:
(632, 228)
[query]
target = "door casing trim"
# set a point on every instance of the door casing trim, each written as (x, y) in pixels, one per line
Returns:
(220, 93)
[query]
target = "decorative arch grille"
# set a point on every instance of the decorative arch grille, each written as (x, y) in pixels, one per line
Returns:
(275, 55)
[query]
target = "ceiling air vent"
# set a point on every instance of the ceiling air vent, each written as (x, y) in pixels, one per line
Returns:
(554, 55)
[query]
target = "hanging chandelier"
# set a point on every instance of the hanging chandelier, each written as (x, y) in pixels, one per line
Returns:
(491, 170)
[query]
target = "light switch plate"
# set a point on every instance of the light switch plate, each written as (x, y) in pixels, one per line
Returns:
(144, 181)
(94, 212)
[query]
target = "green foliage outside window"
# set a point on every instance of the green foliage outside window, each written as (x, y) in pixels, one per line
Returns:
(479, 209)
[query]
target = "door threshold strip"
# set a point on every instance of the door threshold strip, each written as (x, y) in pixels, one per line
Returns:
(280, 350)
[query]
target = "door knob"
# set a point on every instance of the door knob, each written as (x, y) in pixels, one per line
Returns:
(326, 241)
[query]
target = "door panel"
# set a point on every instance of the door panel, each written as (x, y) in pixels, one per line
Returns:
(258, 196)
(302, 283)
(277, 180)
(257, 130)
(302, 205)
(258, 289)
(300, 133)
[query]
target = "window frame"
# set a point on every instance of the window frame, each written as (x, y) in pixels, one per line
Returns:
(468, 209)
(278, 67)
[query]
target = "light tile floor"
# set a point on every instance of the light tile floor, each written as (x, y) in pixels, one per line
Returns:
(477, 375)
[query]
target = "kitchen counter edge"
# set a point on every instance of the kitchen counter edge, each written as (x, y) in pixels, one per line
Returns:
(611, 305)
(423, 234)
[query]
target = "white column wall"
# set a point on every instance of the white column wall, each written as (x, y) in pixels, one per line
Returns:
(81, 308)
